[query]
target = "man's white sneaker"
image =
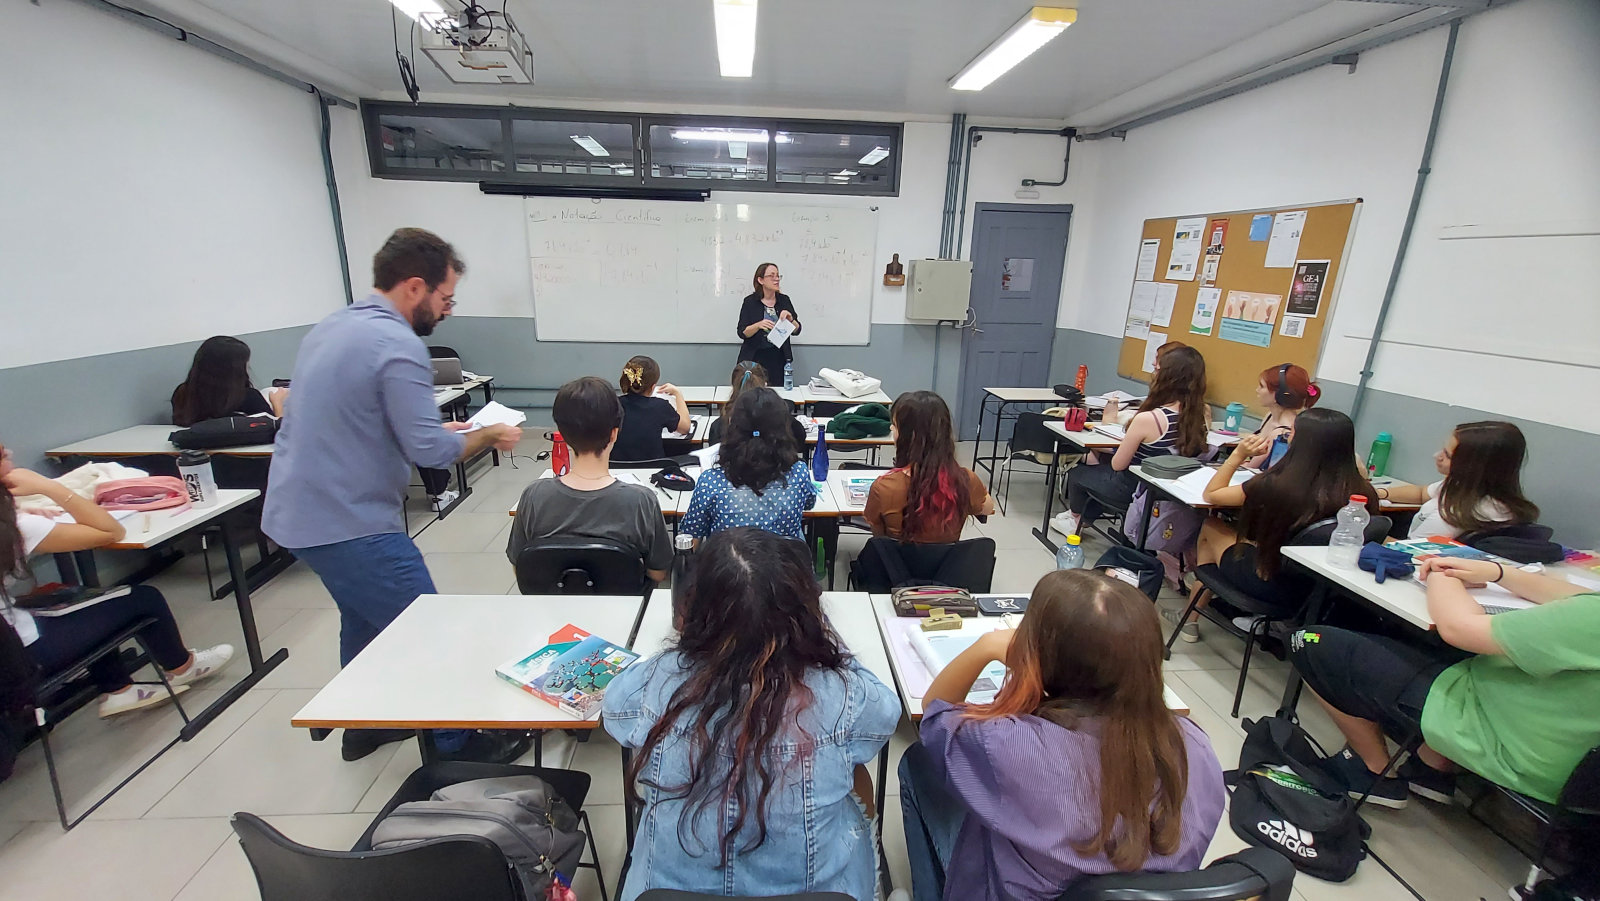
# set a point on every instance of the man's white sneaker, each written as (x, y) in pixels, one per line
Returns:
(206, 663)
(443, 499)
(1065, 522)
(136, 697)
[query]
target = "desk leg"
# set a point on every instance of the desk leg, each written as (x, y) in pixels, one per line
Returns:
(1043, 532)
(259, 668)
(880, 790)
(488, 398)
(977, 442)
(629, 811)
(994, 444)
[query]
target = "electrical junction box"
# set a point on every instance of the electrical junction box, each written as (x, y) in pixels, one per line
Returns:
(939, 289)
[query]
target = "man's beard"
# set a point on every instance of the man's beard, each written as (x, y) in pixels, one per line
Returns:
(423, 320)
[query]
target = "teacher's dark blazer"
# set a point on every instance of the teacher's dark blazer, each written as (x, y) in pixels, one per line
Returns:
(757, 347)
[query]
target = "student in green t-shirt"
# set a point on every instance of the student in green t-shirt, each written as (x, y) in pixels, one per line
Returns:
(1520, 711)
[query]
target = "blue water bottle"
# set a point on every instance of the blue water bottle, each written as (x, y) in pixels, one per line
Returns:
(788, 375)
(819, 457)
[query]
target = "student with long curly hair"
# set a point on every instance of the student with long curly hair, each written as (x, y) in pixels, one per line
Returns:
(760, 479)
(1076, 768)
(928, 495)
(750, 733)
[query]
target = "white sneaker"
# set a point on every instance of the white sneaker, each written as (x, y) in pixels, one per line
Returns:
(206, 663)
(443, 499)
(136, 697)
(1065, 522)
(1189, 631)
(899, 894)
(1245, 623)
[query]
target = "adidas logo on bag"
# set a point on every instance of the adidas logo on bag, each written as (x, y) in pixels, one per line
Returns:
(1293, 839)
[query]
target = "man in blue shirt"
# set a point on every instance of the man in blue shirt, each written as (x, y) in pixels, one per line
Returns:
(363, 413)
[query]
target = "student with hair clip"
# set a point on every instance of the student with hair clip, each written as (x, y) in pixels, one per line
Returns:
(928, 496)
(1076, 768)
(746, 375)
(54, 642)
(588, 502)
(750, 733)
(1173, 419)
(760, 480)
(1314, 480)
(219, 385)
(1284, 391)
(644, 415)
(1482, 486)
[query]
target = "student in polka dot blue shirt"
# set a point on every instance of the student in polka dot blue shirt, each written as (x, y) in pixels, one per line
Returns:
(761, 480)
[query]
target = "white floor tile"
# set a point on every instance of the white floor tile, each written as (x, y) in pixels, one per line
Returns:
(296, 588)
(312, 637)
(109, 860)
(471, 573)
(226, 876)
(468, 533)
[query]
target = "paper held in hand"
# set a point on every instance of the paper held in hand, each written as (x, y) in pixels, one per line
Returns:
(780, 332)
(495, 413)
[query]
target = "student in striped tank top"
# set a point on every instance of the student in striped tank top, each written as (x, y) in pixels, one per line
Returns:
(1174, 419)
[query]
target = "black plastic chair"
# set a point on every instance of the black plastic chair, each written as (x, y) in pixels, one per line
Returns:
(452, 867)
(440, 352)
(1576, 814)
(884, 563)
(1252, 873)
(582, 565)
(1030, 443)
(667, 894)
(1265, 611)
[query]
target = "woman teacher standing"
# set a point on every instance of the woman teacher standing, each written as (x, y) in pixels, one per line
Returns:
(763, 309)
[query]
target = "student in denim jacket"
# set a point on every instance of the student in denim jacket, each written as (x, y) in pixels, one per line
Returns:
(751, 733)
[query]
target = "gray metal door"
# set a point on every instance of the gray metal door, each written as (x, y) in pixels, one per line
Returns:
(1017, 254)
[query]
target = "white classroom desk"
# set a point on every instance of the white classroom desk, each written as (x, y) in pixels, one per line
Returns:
(1190, 497)
(148, 530)
(144, 441)
(716, 396)
(883, 612)
(838, 496)
(1403, 597)
(673, 503)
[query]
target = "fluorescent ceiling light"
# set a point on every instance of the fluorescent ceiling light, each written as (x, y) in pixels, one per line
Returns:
(845, 173)
(731, 136)
(1030, 33)
(874, 156)
(736, 36)
(425, 12)
(588, 143)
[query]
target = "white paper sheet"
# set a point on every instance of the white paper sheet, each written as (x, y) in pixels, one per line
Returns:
(1141, 308)
(1188, 238)
(1166, 296)
(1206, 301)
(1151, 344)
(1148, 250)
(780, 332)
(1284, 245)
(1198, 480)
(495, 413)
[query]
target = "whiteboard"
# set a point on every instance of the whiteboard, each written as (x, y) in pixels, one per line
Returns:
(675, 272)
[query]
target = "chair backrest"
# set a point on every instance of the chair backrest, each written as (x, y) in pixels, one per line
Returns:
(667, 894)
(1252, 873)
(465, 866)
(1320, 531)
(440, 352)
(655, 463)
(965, 564)
(1581, 795)
(1029, 434)
(579, 565)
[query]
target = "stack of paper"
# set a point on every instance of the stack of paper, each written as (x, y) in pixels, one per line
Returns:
(496, 413)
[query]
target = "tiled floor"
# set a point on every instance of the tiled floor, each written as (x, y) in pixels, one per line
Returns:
(166, 835)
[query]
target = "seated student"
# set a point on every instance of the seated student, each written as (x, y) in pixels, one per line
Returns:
(759, 479)
(1521, 713)
(749, 374)
(54, 642)
(1284, 392)
(1314, 480)
(644, 415)
(587, 502)
(219, 385)
(1173, 419)
(1113, 412)
(1130, 785)
(1482, 486)
(928, 496)
(750, 734)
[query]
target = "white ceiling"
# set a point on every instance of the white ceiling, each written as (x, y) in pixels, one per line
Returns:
(877, 56)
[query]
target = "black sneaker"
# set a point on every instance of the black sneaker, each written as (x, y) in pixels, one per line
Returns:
(1435, 785)
(1352, 771)
(358, 743)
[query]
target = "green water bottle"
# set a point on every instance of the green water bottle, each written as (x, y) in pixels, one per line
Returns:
(1378, 457)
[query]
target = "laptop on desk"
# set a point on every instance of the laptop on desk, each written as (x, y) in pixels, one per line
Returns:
(447, 371)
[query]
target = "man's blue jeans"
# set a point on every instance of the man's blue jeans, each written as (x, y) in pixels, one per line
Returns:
(372, 579)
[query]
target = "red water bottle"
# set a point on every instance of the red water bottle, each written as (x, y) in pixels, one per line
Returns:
(1083, 377)
(560, 461)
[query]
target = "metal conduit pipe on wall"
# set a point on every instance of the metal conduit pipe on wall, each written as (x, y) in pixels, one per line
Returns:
(973, 137)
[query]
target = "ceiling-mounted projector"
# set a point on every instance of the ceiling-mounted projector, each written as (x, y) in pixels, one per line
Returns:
(479, 46)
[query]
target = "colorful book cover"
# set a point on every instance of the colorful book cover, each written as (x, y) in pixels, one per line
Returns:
(573, 673)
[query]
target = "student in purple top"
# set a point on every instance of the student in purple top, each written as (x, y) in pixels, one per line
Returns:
(1077, 768)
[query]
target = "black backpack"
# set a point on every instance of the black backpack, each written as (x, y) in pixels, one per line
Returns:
(227, 431)
(1145, 567)
(1285, 799)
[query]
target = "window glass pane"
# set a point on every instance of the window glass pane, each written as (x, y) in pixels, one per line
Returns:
(694, 151)
(441, 143)
(572, 148)
(815, 158)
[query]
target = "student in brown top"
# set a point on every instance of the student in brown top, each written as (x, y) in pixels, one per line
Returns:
(928, 496)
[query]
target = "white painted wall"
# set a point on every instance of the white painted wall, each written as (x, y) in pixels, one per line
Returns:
(488, 230)
(1516, 146)
(152, 193)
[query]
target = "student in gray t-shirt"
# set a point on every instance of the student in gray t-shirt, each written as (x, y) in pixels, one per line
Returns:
(588, 501)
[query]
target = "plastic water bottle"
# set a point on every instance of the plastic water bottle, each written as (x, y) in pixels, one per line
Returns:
(788, 375)
(194, 468)
(1344, 546)
(819, 457)
(1232, 418)
(1070, 554)
(1378, 456)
